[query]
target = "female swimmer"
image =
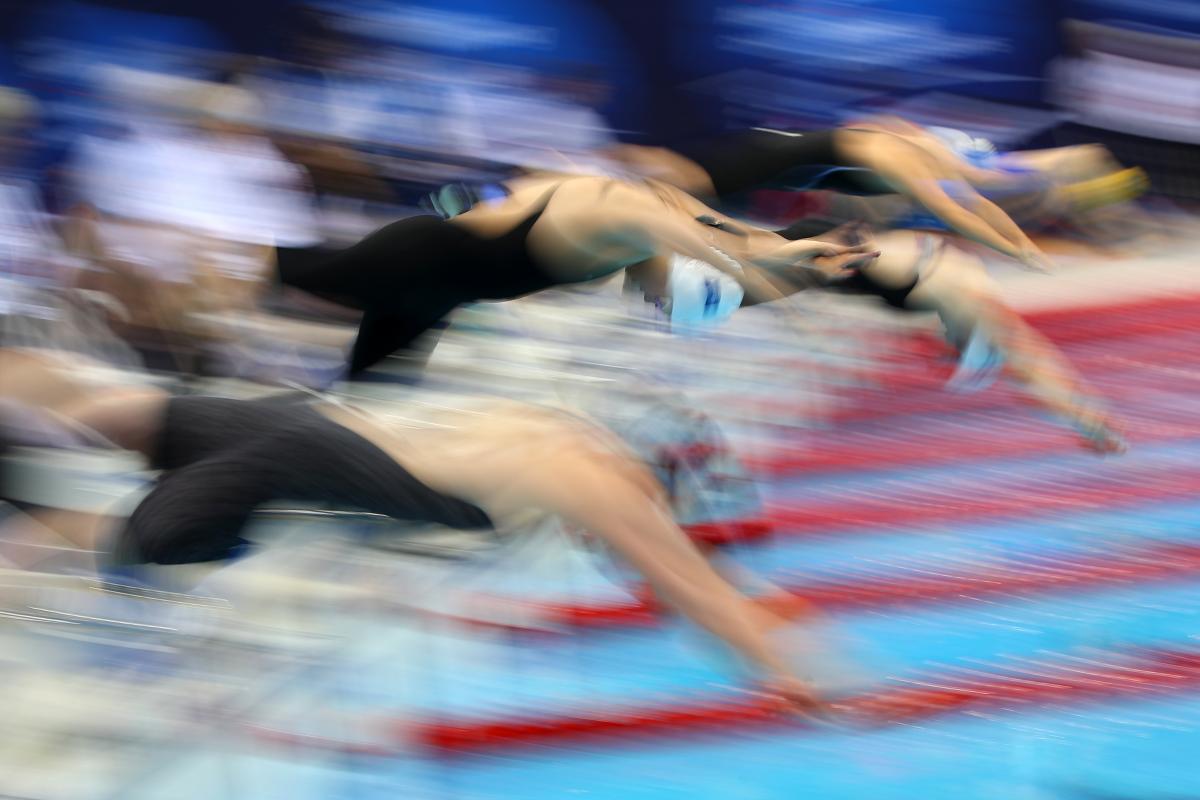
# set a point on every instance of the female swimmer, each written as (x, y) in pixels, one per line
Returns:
(925, 273)
(548, 231)
(869, 157)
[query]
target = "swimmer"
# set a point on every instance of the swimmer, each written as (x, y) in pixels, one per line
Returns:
(548, 231)
(681, 255)
(506, 468)
(915, 272)
(871, 157)
(922, 273)
(1035, 187)
(925, 273)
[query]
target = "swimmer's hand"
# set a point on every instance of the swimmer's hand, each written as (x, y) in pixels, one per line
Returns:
(797, 696)
(828, 261)
(833, 269)
(1100, 434)
(1035, 260)
(807, 252)
(793, 694)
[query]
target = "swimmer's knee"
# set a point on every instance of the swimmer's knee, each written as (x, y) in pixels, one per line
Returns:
(171, 528)
(167, 544)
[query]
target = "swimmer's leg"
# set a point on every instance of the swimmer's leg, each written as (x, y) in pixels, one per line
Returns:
(406, 277)
(415, 254)
(413, 331)
(194, 515)
(199, 513)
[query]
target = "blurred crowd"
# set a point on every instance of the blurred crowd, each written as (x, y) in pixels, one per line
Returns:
(155, 217)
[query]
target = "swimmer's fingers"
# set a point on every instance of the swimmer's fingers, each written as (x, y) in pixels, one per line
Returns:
(816, 248)
(842, 266)
(1113, 444)
(801, 252)
(1037, 261)
(794, 696)
(1100, 434)
(1106, 440)
(811, 254)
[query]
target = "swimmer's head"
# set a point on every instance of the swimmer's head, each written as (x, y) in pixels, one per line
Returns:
(685, 449)
(688, 293)
(974, 149)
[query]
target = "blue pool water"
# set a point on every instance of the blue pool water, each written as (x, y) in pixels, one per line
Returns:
(1119, 747)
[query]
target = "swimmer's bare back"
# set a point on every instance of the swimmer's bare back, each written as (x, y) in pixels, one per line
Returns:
(497, 456)
(511, 460)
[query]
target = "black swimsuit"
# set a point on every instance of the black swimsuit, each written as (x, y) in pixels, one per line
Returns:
(409, 275)
(222, 459)
(765, 159)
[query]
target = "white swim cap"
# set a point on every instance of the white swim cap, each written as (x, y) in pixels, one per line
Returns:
(963, 143)
(701, 294)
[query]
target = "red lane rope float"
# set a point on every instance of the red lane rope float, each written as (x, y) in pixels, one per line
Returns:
(1155, 562)
(1118, 373)
(912, 360)
(1085, 315)
(1076, 326)
(1132, 487)
(935, 507)
(863, 405)
(1066, 679)
(743, 530)
(1113, 360)
(873, 451)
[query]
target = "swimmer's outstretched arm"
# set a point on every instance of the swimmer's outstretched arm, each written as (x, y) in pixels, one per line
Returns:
(907, 166)
(621, 512)
(956, 288)
(1046, 375)
(779, 266)
(985, 223)
(641, 226)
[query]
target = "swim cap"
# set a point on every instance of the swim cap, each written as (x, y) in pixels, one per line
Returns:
(700, 294)
(453, 199)
(975, 149)
(686, 450)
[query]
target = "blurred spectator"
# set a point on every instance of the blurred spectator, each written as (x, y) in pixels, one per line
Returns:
(37, 307)
(178, 213)
(548, 122)
(30, 250)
